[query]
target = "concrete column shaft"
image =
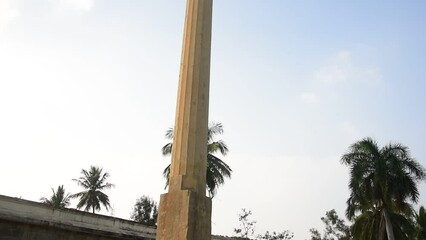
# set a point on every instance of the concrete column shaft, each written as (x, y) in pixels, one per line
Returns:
(189, 154)
(185, 211)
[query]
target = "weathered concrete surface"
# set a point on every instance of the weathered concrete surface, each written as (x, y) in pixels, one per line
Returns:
(185, 211)
(189, 153)
(27, 220)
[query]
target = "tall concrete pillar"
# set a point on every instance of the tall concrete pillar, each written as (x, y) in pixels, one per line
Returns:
(185, 211)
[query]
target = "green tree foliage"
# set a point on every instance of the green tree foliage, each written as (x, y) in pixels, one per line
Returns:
(315, 234)
(420, 221)
(94, 181)
(217, 170)
(383, 183)
(58, 199)
(335, 228)
(285, 235)
(145, 211)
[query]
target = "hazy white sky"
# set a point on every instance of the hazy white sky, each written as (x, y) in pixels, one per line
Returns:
(94, 82)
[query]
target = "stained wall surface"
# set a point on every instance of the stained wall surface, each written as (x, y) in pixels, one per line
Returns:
(27, 220)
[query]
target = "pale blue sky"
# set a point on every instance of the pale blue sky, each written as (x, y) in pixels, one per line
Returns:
(94, 82)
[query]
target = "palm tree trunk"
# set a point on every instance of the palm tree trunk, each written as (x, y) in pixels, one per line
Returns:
(389, 229)
(93, 208)
(382, 228)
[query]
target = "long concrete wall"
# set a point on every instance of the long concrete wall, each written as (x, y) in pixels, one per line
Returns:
(27, 220)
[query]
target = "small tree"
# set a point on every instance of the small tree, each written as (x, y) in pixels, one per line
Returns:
(145, 211)
(315, 234)
(285, 235)
(247, 226)
(335, 228)
(58, 199)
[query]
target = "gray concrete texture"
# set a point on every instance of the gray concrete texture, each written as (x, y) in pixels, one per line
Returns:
(27, 220)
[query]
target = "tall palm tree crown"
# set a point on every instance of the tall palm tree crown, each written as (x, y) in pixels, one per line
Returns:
(217, 170)
(383, 182)
(94, 181)
(58, 199)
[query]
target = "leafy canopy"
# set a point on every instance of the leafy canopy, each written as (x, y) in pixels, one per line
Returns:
(335, 228)
(145, 211)
(58, 199)
(383, 184)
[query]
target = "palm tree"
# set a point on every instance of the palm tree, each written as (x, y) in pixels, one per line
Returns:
(94, 181)
(58, 199)
(420, 220)
(217, 170)
(383, 182)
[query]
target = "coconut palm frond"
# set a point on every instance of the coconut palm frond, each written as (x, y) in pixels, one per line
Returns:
(217, 170)
(382, 180)
(167, 149)
(58, 199)
(93, 181)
